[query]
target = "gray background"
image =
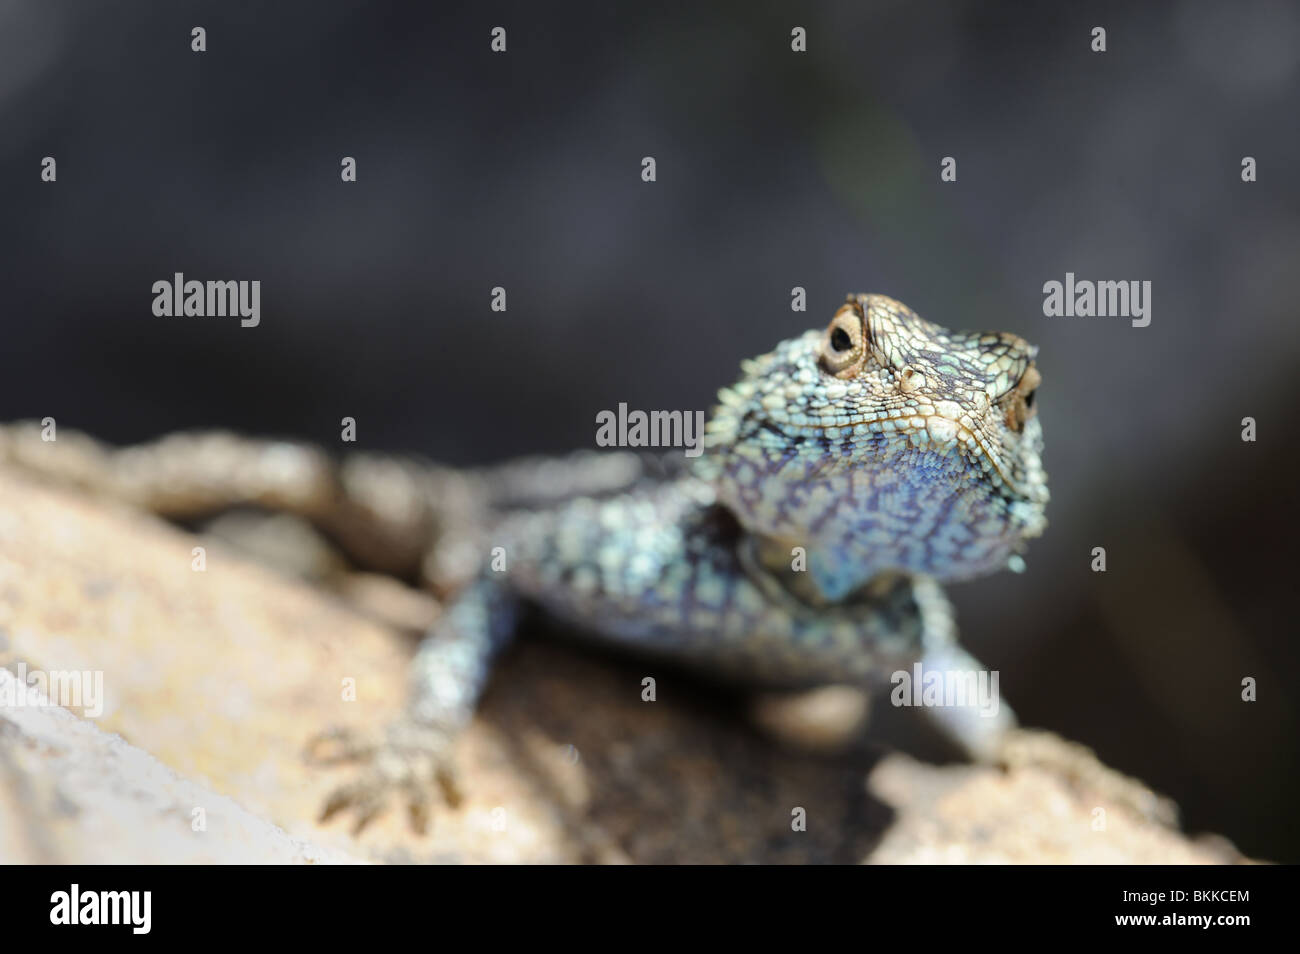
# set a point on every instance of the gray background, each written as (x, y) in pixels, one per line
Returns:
(775, 169)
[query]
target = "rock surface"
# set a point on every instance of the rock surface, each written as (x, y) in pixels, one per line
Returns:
(74, 793)
(216, 680)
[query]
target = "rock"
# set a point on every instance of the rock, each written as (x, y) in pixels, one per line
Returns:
(217, 679)
(73, 793)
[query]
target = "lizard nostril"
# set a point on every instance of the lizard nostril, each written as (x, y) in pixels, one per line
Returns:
(911, 380)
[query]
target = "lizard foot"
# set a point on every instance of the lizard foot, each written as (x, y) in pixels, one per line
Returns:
(405, 761)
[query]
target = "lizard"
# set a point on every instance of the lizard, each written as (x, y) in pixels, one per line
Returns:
(847, 475)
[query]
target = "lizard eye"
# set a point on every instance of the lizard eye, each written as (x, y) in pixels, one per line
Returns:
(842, 346)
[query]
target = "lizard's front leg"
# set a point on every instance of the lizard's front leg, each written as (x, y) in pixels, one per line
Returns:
(898, 621)
(448, 675)
(978, 728)
(992, 734)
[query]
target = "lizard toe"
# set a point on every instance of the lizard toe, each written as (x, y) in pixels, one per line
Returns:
(408, 762)
(339, 744)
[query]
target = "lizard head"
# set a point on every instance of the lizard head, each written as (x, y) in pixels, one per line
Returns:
(885, 443)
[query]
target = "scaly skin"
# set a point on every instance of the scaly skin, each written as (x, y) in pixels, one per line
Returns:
(909, 447)
(893, 452)
(888, 453)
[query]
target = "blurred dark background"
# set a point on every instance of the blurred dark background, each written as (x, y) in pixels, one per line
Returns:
(775, 169)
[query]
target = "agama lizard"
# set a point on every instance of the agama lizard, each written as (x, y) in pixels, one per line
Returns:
(847, 474)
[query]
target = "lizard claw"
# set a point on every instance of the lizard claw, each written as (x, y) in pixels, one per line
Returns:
(405, 761)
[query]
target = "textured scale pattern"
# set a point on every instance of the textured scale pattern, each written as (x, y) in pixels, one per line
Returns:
(912, 453)
(912, 448)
